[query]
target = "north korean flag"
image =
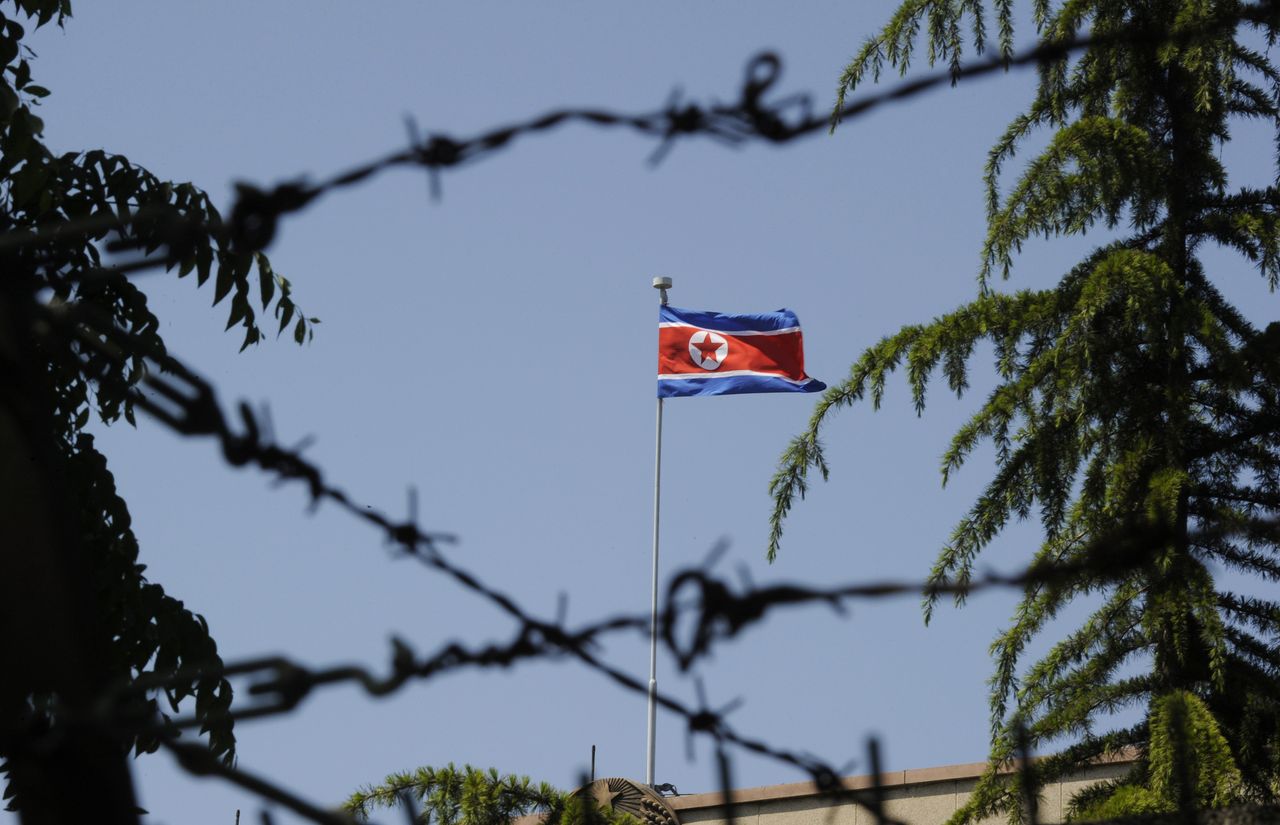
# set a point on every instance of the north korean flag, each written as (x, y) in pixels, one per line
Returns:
(710, 353)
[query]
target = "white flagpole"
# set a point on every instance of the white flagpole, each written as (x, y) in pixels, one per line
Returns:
(662, 285)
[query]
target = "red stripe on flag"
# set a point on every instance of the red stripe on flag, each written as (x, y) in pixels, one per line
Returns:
(781, 354)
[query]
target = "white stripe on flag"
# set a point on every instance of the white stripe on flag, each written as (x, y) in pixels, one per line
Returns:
(681, 376)
(662, 324)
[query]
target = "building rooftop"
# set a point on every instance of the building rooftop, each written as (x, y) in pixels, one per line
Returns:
(920, 796)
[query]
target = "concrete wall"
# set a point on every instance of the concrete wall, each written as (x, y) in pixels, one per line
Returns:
(919, 797)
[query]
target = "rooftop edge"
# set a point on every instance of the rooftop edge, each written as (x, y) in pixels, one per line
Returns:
(890, 779)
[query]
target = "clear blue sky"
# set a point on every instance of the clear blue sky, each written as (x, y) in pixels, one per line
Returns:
(496, 350)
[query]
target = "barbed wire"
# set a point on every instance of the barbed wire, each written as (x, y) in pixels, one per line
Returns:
(717, 615)
(198, 761)
(186, 403)
(192, 409)
(256, 212)
(700, 610)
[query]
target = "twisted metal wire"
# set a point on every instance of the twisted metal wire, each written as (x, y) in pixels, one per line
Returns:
(178, 398)
(700, 609)
(256, 211)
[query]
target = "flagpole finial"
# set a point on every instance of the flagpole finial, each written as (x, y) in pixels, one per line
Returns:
(662, 284)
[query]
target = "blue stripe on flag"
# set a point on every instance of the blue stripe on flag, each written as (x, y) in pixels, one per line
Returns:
(732, 385)
(720, 322)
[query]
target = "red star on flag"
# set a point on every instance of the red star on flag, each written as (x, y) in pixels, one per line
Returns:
(707, 348)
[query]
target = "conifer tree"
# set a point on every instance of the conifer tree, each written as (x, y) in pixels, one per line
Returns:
(1137, 411)
(472, 796)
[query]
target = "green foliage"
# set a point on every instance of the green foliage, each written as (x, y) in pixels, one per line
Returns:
(58, 212)
(1188, 761)
(580, 809)
(472, 796)
(1135, 413)
(458, 796)
(151, 632)
(1188, 756)
(1123, 800)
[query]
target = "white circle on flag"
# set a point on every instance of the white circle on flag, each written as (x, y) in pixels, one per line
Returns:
(708, 350)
